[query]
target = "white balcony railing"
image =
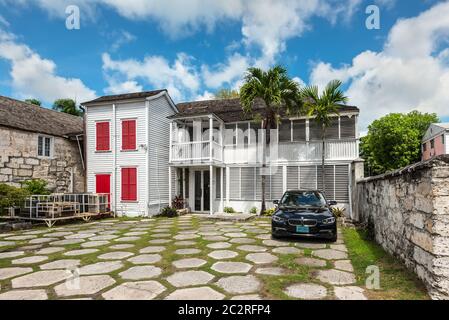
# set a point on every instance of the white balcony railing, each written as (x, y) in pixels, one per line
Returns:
(294, 151)
(196, 151)
(286, 151)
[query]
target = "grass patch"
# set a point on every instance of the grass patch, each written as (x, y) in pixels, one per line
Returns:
(396, 282)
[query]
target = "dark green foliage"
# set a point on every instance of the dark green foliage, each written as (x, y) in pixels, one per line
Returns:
(33, 101)
(394, 141)
(36, 186)
(11, 196)
(67, 106)
(168, 212)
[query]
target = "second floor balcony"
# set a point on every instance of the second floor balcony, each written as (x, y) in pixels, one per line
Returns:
(207, 139)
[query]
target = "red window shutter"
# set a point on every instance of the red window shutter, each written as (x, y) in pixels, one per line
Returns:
(102, 136)
(129, 135)
(129, 184)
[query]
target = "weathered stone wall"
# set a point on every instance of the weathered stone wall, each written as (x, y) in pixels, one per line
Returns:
(19, 161)
(409, 213)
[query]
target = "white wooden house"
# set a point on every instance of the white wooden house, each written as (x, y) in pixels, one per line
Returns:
(213, 169)
(127, 151)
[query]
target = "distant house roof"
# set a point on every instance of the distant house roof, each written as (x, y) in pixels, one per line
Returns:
(29, 117)
(229, 110)
(434, 130)
(125, 96)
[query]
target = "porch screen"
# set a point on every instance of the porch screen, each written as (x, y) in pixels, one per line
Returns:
(347, 127)
(332, 130)
(285, 131)
(299, 130)
(259, 186)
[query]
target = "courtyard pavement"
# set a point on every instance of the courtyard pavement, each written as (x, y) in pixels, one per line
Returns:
(180, 258)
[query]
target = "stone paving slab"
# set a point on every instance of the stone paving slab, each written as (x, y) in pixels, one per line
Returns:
(115, 255)
(61, 264)
(306, 291)
(38, 294)
(12, 254)
(40, 279)
(141, 272)
(222, 254)
(310, 262)
(349, 293)
(6, 273)
(200, 293)
(240, 284)
(100, 267)
(84, 285)
(141, 290)
(189, 263)
(330, 254)
(189, 278)
(335, 277)
(261, 258)
(231, 267)
(145, 259)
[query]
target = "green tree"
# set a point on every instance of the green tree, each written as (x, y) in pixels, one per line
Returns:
(394, 141)
(226, 94)
(322, 107)
(33, 101)
(278, 93)
(67, 106)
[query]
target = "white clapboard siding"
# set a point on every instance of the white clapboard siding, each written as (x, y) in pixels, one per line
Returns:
(158, 152)
(97, 162)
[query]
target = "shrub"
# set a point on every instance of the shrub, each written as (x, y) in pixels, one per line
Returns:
(338, 212)
(11, 196)
(178, 202)
(168, 212)
(253, 210)
(36, 186)
(269, 212)
(228, 210)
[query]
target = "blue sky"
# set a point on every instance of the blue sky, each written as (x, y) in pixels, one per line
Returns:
(196, 47)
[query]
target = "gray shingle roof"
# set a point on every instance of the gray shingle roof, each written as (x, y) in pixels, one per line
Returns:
(125, 96)
(29, 117)
(229, 110)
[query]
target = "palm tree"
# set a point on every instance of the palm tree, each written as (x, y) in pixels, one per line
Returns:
(67, 106)
(278, 93)
(322, 107)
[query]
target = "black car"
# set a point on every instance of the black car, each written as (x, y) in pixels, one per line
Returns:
(304, 213)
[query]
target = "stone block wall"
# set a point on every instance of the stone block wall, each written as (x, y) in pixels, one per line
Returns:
(408, 211)
(19, 161)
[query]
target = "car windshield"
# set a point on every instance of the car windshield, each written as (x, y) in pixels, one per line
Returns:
(303, 199)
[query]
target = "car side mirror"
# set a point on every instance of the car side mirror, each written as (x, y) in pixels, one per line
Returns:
(276, 202)
(332, 203)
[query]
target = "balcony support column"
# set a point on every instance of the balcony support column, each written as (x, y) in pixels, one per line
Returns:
(211, 136)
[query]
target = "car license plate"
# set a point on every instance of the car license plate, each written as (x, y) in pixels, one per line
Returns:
(302, 229)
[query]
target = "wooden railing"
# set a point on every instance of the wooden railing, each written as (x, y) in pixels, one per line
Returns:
(285, 151)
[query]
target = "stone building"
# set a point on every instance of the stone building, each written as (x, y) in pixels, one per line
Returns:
(36, 142)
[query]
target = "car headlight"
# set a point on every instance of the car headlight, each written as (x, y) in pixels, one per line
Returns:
(278, 219)
(330, 220)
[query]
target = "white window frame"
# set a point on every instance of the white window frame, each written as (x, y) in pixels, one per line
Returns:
(43, 136)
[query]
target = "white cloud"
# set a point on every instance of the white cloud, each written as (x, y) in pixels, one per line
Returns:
(34, 76)
(265, 24)
(121, 38)
(118, 87)
(206, 95)
(180, 78)
(3, 21)
(412, 72)
(227, 73)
